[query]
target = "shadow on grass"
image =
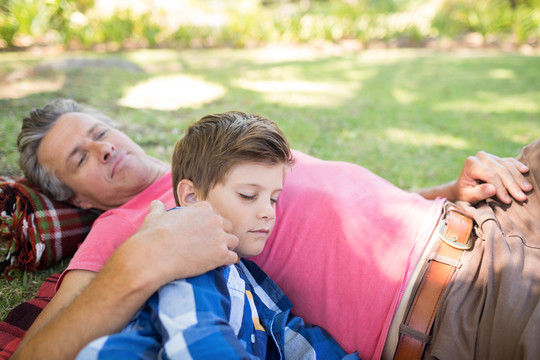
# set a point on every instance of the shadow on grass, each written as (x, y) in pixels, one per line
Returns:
(411, 116)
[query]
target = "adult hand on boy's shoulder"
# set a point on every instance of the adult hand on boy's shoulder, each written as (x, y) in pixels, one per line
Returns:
(168, 245)
(184, 243)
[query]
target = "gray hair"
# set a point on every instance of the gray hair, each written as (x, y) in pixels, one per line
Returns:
(34, 128)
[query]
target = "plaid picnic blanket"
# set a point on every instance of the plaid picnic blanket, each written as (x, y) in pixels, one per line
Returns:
(17, 322)
(36, 230)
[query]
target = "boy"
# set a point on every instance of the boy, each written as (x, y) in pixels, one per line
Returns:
(236, 162)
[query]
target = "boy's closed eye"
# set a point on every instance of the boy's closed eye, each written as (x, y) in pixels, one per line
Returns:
(254, 197)
(247, 196)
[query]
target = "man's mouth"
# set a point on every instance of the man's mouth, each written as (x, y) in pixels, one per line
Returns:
(118, 162)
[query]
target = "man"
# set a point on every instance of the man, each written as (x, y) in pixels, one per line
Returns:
(94, 153)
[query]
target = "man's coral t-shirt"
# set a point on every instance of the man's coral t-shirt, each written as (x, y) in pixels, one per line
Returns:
(343, 247)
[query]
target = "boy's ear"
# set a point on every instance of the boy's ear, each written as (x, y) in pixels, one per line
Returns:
(186, 192)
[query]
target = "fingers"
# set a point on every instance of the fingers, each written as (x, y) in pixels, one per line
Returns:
(504, 174)
(231, 242)
(480, 192)
(519, 165)
(222, 223)
(223, 234)
(227, 225)
(232, 258)
(523, 169)
(223, 250)
(157, 207)
(503, 165)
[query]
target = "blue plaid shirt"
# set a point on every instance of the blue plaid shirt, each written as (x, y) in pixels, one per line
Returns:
(234, 312)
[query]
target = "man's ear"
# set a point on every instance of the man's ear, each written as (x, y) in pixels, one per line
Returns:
(186, 192)
(80, 203)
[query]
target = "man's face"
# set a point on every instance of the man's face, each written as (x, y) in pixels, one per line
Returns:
(103, 166)
(248, 198)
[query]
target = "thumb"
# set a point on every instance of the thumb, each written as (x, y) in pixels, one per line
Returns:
(232, 258)
(157, 207)
(479, 192)
(488, 190)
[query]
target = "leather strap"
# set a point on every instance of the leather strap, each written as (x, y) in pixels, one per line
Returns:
(455, 232)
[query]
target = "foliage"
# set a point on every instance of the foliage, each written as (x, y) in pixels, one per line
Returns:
(77, 23)
(496, 17)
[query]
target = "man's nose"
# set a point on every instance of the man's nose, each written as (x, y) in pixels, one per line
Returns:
(103, 150)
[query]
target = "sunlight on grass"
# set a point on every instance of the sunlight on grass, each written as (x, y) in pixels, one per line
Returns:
(408, 137)
(391, 56)
(502, 74)
(21, 89)
(522, 132)
(154, 55)
(156, 61)
(404, 97)
(172, 93)
(299, 92)
(281, 53)
(488, 103)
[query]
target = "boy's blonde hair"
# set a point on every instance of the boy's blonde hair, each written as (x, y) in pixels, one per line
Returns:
(214, 144)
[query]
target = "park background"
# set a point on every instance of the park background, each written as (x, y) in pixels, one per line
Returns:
(406, 88)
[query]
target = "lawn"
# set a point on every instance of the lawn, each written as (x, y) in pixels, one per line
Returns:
(410, 115)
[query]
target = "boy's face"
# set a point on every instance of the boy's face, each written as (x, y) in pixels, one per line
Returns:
(247, 198)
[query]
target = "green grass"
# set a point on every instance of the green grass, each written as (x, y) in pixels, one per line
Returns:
(24, 286)
(411, 116)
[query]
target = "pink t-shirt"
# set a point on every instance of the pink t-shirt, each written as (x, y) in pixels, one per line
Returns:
(113, 227)
(344, 245)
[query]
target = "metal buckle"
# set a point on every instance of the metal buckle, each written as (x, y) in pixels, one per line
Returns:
(453, 242)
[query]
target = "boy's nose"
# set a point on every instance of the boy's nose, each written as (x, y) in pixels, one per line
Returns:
(267, 212)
